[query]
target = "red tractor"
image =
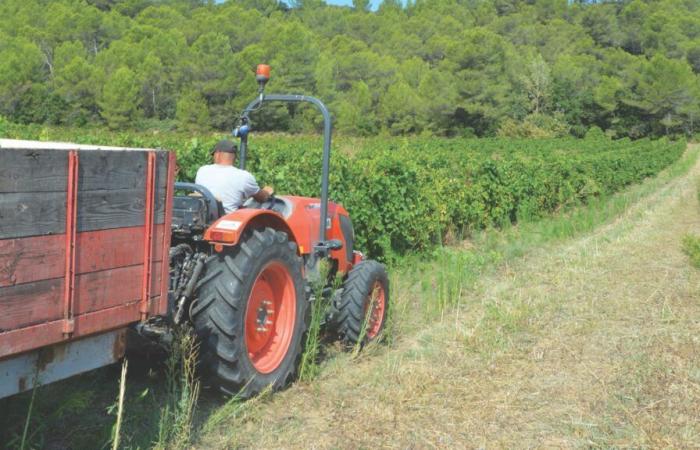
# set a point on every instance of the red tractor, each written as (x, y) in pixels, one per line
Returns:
(245, 280)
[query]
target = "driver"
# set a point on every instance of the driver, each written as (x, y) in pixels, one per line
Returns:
(230, 185)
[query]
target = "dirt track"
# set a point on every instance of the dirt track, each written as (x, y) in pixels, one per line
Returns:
(593, 342)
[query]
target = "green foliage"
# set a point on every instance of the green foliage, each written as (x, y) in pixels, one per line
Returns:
(536, 126)
(691, 247)
(441, 67)
(192, 112)
(119, 100)
(410, 194)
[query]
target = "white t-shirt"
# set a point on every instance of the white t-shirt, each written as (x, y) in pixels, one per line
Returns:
(231, 185)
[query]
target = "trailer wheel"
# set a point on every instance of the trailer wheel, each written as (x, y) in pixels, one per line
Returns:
(364, 303)
(251, 314)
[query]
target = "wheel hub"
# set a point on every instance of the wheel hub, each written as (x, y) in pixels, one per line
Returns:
(270, 317)
(376, 304)
(264, 311)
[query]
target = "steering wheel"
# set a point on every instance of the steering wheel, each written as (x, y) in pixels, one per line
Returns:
(269, 203)
(212, 205)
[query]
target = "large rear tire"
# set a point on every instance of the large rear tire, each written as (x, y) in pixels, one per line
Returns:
(364, 303)
(251, 314)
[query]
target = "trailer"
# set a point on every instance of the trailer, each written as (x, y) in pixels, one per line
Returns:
(84, 239)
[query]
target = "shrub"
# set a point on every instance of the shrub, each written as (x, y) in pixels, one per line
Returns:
(410, 193)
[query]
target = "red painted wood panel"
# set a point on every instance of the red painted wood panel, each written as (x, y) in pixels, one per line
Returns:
(29, 338)
(161, 307)
(108, 281)
(106, 319)
(107, 249)
(109, 288)
(33, 337)
(28, 304)
(24, 260)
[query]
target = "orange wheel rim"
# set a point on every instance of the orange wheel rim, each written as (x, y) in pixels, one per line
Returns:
(376, 300)
(270, 316)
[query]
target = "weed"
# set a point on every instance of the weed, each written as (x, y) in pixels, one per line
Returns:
(30, 409)
(309, 369)
(175, 426)
(120, 408)
(691, 247)
(233, 410)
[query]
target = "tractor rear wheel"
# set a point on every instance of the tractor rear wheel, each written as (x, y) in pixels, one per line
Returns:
(364, 303)
(251, 314)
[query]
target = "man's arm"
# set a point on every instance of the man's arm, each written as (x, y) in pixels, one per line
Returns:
(263, 194)
(252, 189)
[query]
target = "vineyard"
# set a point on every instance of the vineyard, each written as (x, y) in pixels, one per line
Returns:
(411, 194)
(408, 194)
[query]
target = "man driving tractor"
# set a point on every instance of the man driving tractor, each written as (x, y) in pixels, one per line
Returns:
(230, 185)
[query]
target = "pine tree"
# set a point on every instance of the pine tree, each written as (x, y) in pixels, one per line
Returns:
(119, 104)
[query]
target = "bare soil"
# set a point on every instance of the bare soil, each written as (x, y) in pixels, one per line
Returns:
(594, 342)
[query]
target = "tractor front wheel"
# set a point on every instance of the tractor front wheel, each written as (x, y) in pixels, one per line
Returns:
(251, 314)
(364, 303)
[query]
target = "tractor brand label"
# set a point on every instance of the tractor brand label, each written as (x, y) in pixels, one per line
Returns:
(229, 225)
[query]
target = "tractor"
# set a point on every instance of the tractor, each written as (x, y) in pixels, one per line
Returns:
(246, 280)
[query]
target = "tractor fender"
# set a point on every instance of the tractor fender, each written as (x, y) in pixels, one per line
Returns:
(228, 229)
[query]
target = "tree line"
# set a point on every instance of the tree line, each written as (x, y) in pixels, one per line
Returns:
(435, 67)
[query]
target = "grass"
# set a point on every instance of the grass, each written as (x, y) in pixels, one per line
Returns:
(175, 426)
(691, 247)
(35, 384)
(457, 345)
(120, 406)
(691, 244)
(309, 367)
(523, 337)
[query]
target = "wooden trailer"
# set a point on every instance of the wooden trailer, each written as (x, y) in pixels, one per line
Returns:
(84, 239)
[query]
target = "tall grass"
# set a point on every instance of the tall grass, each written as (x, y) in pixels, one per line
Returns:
(35, 388)
(182, 391)
(120, 408)
(309, 367)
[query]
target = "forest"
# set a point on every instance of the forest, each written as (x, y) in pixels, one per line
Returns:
(469, 68)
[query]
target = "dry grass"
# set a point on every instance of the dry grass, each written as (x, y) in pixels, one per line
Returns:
(593, 342)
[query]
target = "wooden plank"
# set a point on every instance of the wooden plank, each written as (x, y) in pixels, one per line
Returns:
(108, 249)
(162, 158)
(35, 214)
(100, 210)
(24, 260)
(31, 303)
(111, 170)
(32, 214)
(111, 190)
(108, 288)
(31, 259)
(37, 336)
(23, 170)
(160, 305)
(159, 216)
(106, 319)
(29, 170)
(29, 338)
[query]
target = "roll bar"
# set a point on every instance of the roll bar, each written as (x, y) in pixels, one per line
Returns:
(322, 247)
